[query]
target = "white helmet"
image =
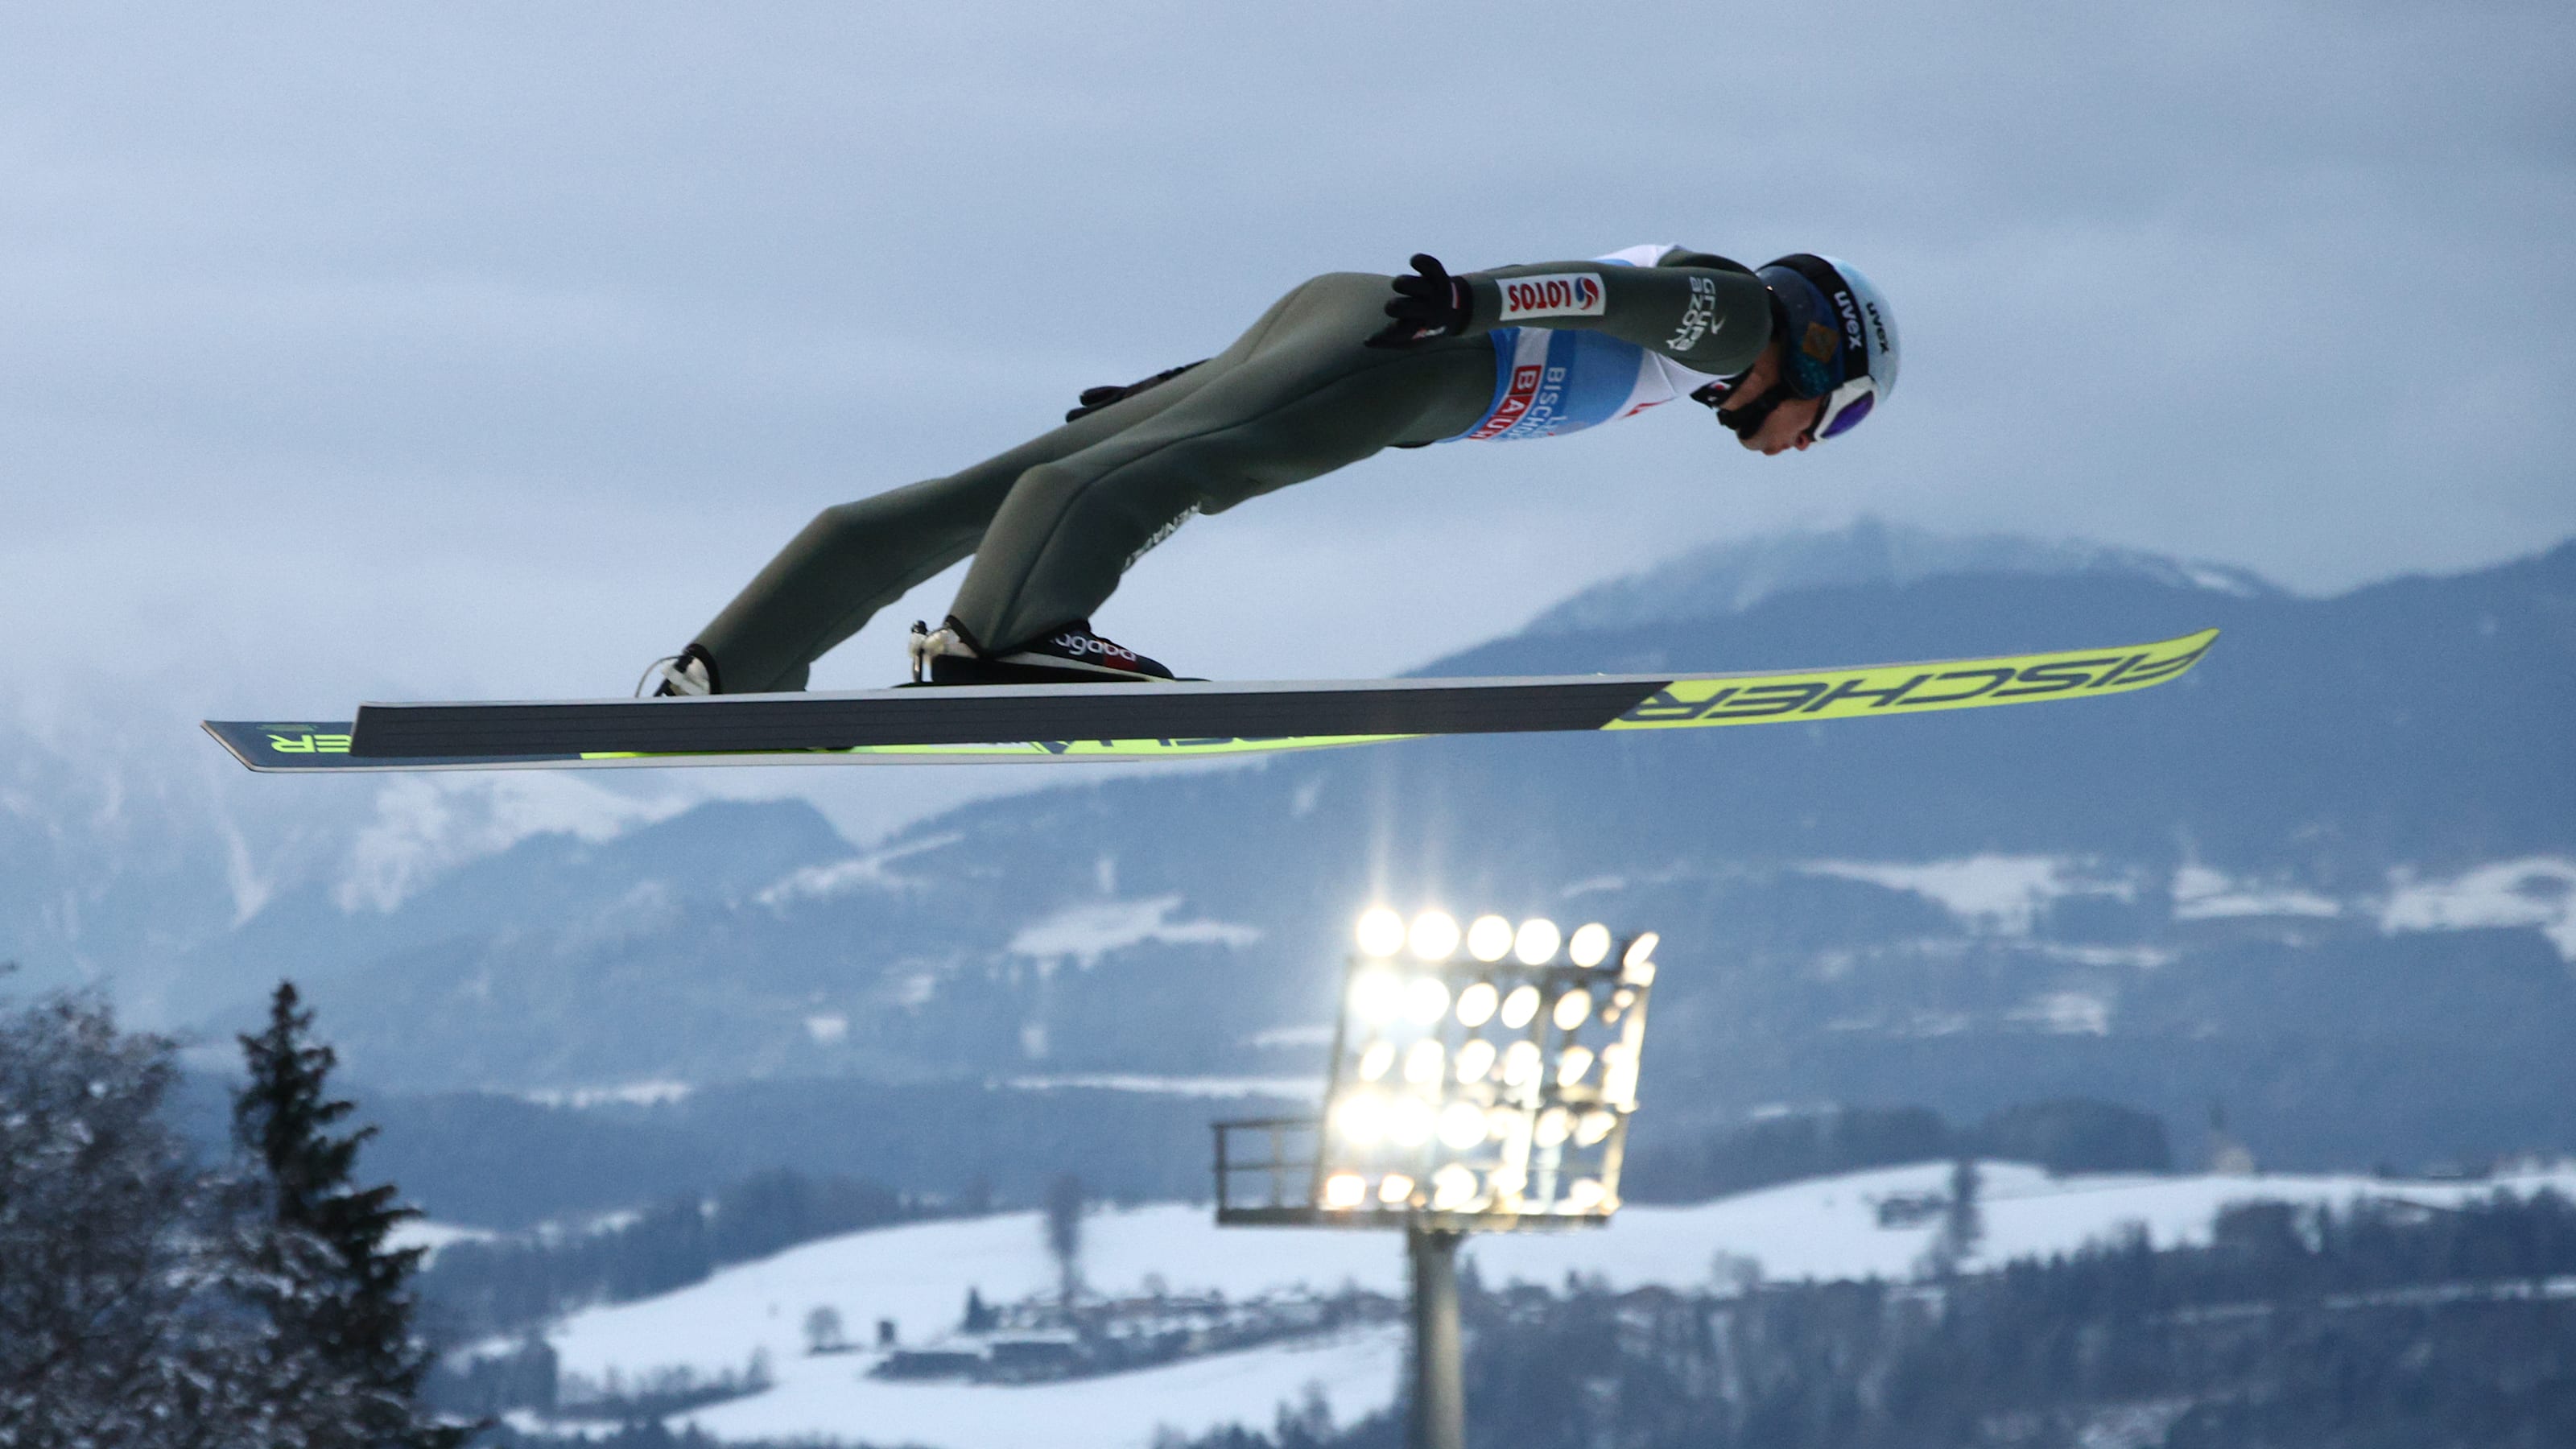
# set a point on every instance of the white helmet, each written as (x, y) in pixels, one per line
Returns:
(1840, 335)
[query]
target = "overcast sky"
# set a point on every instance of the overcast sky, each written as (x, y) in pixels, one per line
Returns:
(487, 349)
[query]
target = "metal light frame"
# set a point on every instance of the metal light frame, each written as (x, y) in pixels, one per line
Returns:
(1480, 1081)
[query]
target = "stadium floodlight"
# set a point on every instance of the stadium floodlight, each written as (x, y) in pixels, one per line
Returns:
(1572, 1064)
(1434, 936)
(1475, 1060)
(1484, 1091)
(1376, 994)
(1423, 1063)
(1589, 946)
(1381, 932)
(1408, 1124)
(1572, 1009)
(1514, 1061)
(1462, 1125)
(1535, 943)
(1426, 1000)
(1476, 1003)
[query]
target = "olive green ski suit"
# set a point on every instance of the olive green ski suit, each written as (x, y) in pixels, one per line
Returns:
(1054, 522)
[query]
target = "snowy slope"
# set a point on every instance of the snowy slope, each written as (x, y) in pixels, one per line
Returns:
(1356, 1372)
(918, 1275)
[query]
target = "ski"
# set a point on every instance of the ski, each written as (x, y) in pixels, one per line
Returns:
(1013, 724)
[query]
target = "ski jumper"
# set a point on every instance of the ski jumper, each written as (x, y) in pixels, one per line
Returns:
(1054, 522)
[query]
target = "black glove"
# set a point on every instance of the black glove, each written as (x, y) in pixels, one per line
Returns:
(1430, 304)
(1093, 399)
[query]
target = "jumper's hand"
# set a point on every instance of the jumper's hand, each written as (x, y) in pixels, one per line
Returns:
(1429, 304)
(1093, 399)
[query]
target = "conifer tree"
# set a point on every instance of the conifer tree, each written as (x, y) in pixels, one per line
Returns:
(337, 1298)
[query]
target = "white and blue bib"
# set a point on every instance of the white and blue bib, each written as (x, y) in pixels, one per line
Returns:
(1548, 382)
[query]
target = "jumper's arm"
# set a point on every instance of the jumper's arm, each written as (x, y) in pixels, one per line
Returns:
(1704, 313)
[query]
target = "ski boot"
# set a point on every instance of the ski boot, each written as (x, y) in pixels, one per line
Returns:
(1067, 654)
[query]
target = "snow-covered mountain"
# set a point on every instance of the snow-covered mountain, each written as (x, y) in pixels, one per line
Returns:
(2330, 878)
(1729, 578)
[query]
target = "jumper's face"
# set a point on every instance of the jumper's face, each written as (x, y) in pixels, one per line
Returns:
(1790, 424)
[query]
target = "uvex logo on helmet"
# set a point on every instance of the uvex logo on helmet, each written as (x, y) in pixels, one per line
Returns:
(1878, 325)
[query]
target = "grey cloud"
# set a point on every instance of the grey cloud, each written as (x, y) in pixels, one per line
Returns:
(522, 335)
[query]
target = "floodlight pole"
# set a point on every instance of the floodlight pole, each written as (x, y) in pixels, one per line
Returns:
(1539, 1117)
(1437, 1416)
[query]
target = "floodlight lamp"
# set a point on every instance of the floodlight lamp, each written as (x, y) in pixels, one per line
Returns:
(1641, 973)
(1377, 1061)
(1552, 1127)
(1640, 952)
(1476, 1003)
(1434, 935)
(1590, 946)
(1520, 1007)
(1475, 1059)
(1571, 1066)
(1381, 932)
(1361, 1117)
(1535, 944)
(1422, 1063)
(1490, 938)
(1586, 1195)
(1592, 1127)
(1572, 1009)
(1345, 1190)
(1410, 1123)
(1452, 1187)
(1426, 1000)
(1507, 1181)
(1462, 1125)
(1376, 995)
(1395, 1189)
(1520, 1064)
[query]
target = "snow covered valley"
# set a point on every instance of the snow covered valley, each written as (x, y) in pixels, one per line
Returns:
(918, 1277)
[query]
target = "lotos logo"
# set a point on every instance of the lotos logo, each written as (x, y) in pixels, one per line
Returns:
(1559, 294)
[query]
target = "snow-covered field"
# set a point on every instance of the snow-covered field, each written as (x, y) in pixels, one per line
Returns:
(918, 1276)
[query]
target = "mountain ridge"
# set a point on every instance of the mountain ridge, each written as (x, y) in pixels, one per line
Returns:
(2142, 898)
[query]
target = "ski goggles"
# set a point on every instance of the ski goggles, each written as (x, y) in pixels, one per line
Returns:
(1840, 412)
(1844, 408)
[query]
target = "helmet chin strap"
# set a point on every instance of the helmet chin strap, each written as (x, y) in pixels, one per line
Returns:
(1747, 420)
